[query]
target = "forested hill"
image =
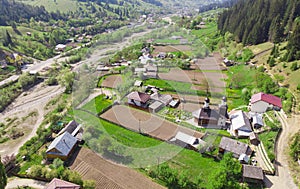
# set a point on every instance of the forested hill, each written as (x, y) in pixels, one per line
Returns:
(217, 4)
(256, 21)
(16, 11)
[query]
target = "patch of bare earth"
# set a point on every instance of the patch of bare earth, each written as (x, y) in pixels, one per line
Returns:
(212, 68)
(108, 175)
(112, 81)
(187, 76)
(28, 112)
(151, 124)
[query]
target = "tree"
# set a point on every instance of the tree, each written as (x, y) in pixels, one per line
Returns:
(66, 79)
(89, 184)
(228, 175)
(294, 66)
(7, 39)
(57, 163)
(3, 178)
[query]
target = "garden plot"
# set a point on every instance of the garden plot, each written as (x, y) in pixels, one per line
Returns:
(144, 122)
(187, 76)
(212, 70)
(112, 81)
(108, 175)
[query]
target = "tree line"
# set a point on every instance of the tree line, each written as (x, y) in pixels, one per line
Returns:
(257, 21)
(10, 11)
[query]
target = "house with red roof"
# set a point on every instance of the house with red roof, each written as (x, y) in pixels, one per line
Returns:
(262, 102)
(61, 184)
(138, 99)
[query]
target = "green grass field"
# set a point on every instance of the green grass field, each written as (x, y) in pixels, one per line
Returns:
(97, 104)
(146, 152)
(174, 86)
(54, 5)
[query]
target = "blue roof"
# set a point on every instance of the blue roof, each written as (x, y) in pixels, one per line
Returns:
(63, 145)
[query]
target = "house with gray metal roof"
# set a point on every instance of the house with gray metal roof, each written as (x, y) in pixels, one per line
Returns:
(61, 147)
(236, 147)
(187, 141)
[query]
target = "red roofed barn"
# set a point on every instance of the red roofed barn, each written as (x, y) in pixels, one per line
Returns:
(261, 102)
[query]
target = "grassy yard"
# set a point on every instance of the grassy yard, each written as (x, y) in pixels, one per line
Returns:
(239, 77)
(98, 104)
(146, 152)
(174, 86)
(7, 72)
(209, 35)
(168, 41)
(268, 139)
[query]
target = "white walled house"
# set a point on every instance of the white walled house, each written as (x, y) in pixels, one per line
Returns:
(240, 124)
(262, 102)
(138, 99)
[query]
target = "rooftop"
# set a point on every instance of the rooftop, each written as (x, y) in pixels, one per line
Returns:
(253, 172)
(234, 146)
(61, 184)
(138, 96)
(63, 144)
(271, 99)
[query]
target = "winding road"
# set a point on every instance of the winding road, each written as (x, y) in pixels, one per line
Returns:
(284, 180)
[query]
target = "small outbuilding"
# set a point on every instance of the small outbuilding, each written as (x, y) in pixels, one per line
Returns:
(156, 106)
(254, 139)
(253, 174)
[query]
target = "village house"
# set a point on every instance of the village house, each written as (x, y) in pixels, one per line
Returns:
(74, 128)
(138, 99)
(151, 71)
(253, 174)
(212, 118)
(61, 184)
(62, 147)
(256, 120)
(163, 98)
(187, 141)
(262, 102)
(237, 148)
(60, 47)
(240, 124)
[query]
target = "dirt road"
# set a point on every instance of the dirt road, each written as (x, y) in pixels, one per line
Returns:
(17, 182)
(33, 100)
(284, 179)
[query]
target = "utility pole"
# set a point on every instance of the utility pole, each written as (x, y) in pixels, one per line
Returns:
(140, 126)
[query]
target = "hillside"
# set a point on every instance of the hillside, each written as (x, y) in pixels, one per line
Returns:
(258, 21)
